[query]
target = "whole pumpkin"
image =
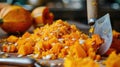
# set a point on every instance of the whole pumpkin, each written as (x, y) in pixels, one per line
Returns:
(15, 19)
(42, 16)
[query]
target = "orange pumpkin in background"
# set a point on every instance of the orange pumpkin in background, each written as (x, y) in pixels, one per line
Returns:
(42, 16)
(15, 19)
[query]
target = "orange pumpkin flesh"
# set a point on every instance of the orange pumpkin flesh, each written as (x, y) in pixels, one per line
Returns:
(15, 19)
(42, 16)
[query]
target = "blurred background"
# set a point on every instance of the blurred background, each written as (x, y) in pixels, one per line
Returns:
(73, 10)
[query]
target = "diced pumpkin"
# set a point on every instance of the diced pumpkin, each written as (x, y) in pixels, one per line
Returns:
(46, 45)
(113, 60)
(56, 48)
(20, 42)
(12, 39)
(38, 46)
(77, 50)
(25, 49)
(70, 62)
(98, 57)
(59, 39)
(80, 62)
(88, 44)
(9, 48)
(110, 50)
(5, 48)
(22, 50)
(26, 35)
(93, 42)
(116, 41)
(12, 48)
(98, 41)
(63, 53)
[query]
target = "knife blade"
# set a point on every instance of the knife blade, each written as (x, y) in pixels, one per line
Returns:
(103, 28)
(100, 26)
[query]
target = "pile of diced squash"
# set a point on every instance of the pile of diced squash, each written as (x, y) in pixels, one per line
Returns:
(57, 40)
(63, 40)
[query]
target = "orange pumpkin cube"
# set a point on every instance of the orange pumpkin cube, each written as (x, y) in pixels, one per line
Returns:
(77, 50)
(5, 48)
(113, 60)
(26, 35)
(80, 62)
(25, 49)
(12, 39)
(56, 48)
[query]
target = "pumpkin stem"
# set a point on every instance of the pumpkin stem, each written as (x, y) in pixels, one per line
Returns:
(1, 21)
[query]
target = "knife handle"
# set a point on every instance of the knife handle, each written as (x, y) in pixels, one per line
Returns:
(92, 11)
(22, 62)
